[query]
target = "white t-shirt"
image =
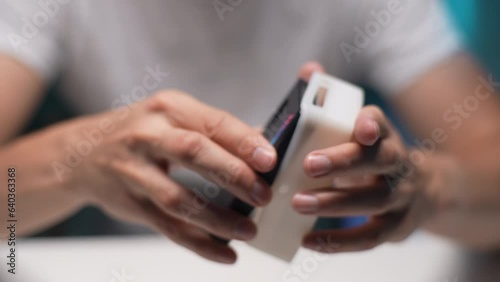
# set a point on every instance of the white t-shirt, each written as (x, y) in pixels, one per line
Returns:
(239, 55)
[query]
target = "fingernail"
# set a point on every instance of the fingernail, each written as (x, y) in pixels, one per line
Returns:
(305, 203)
(260, 193)
(318, 165)
(375, 128)
(244, 230)
(264, 157)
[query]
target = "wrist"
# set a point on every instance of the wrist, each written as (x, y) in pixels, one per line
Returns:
(82, 160)
(46, 198)
(70, 149)
(444, 191)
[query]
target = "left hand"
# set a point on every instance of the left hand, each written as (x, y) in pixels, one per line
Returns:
(373, 176)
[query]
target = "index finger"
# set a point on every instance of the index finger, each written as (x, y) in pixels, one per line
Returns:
(223, 128)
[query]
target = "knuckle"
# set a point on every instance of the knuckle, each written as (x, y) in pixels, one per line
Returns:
(214, 123)
(343, 159)
(169, 199)
(166, 100)
(235, 168)
(123, 168)
(137, 137)
(188, 146)
(237, 174)
(241, 176)
(247, 146)
(158, 100)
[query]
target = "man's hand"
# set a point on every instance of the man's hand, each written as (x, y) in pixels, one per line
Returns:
(127, 175)
(367, 181)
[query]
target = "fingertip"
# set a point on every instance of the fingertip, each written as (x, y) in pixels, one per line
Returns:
(317, 164)
(307, 70)
(305, 203)
(367, 132)
(264, 158)
(261, 193)
(245, 230)
(227, 257)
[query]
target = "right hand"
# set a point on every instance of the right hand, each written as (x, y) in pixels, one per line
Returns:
(126, 173)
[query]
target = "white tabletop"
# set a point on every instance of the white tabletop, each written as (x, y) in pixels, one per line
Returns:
(422, 258)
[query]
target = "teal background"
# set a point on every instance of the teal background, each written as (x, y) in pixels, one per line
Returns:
(479, 24)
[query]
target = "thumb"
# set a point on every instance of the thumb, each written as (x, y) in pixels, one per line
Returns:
(307, 70)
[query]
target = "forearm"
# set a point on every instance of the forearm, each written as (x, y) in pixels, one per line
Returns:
(465, 196)
(42, 198)
(464, 162)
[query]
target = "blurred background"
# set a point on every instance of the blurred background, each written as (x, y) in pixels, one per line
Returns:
(476, 20)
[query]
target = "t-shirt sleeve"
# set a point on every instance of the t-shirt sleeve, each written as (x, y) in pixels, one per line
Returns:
(30, 32)
(419, 37)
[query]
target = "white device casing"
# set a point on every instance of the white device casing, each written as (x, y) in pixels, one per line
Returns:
(280, 228)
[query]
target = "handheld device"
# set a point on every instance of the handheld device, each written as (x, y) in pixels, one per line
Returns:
(314, 115)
